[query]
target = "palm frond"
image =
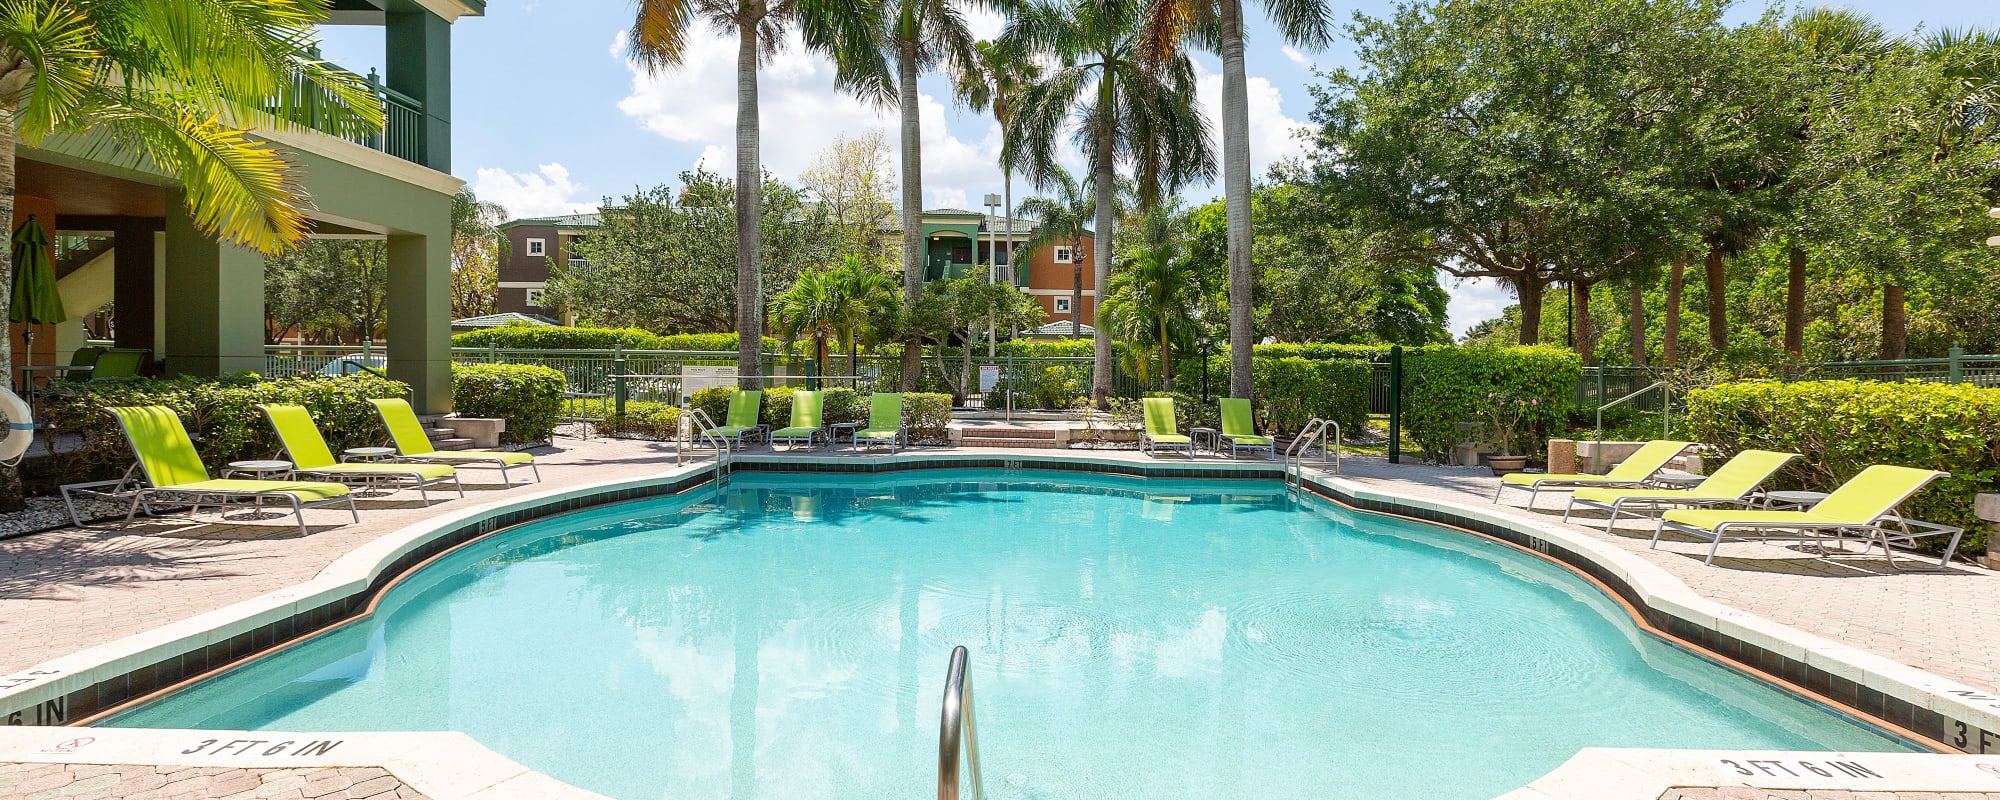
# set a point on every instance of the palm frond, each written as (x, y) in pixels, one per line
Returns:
(849, 32)
(239, 188)
(659, 35)
(55, 40)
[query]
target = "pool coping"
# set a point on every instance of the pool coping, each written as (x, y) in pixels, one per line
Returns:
(81, 684)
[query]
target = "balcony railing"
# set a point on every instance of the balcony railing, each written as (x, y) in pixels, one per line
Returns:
(402, 133)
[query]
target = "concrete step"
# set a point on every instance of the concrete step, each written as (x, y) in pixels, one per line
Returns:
(439, 433)
(1010, 433)
(452, 444)
(1021, 442)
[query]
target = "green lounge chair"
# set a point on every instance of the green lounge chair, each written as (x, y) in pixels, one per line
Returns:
(1730, 485)
(1239, 426)
(118, 364)
(174, 472)
(307, 450)
(83, 357)
(1632, 473)
(885, 422)
(407, 433)
(1863, 505)
(744, 408)
(1161, 429)
(806, 408)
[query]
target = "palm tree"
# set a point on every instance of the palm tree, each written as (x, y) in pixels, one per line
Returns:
(1003, 73)
(867, 309)
(1064, 220)
(842, 29)
(181, 89)
(1152, 299)
(1125, 109)
(810, 307)
(920, 34)
(1219, 23)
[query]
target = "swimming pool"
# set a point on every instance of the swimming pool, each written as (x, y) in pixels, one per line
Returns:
(786, 636)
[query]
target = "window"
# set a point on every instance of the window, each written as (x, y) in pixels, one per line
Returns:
(535, 297)
(538, 247)
(1062, 305)
(961, 253)
(1063, 255)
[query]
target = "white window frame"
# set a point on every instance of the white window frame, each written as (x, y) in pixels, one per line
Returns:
(538, 247)
(1061, 305)
(1064, 255)
(533, 297)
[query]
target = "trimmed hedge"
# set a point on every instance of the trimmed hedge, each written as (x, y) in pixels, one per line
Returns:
(1842, 427)
(1293, 390)
(1445, 386)
(221, 413)
(657, 420)
(529, 397)
(928, 416)
(527, 337)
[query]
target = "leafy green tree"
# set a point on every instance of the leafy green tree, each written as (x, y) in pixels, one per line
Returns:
(1153, 296)
(1219, 24)
(841, 29)
(1120, 108)
(661, 259)
(328, 291)
(477, 247)
(957, 309)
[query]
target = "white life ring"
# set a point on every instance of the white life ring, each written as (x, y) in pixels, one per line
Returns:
(20, 426)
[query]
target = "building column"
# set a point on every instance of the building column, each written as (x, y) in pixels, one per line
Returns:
(132, 285)
(419, 65)
(420, 318)
(215, 296)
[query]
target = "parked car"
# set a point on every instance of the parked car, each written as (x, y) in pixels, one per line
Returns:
(354, 364)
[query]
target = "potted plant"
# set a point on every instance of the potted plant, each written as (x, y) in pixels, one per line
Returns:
(1505, 411)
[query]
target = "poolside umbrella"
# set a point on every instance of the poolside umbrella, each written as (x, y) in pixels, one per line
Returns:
(35, 300)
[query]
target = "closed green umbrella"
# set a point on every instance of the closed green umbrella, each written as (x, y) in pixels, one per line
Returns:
(35, 299)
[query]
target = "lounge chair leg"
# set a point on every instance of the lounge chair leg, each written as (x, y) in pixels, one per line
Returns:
(423, 494)
(1569, 508)
(460, 484)
(1611, 520)
(299, 510)
(134, 511)
(1496, 490)
(1713, 547)
(353, 509)
(1533, 493)
(1657, 530)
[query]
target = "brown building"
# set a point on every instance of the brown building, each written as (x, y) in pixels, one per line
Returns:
(534, 246)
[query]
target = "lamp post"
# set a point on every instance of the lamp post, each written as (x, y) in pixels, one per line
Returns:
(992, 258)
(1204, 343)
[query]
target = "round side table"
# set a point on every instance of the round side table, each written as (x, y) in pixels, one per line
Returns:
(1792, 500)
(368, 454)
(258, 470)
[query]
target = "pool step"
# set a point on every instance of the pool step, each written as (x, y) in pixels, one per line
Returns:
(1011, 436)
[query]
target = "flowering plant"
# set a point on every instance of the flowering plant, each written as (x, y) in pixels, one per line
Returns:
(1504, 414)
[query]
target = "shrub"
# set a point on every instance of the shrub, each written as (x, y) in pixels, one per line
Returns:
(528, 337)
(1293, 390)
(777, 411)
(713, 402)
(928, 415)
(529, 397)
(221, 413)
(1842, 427)
(1445, 386)
(657, 420)
(1189, 411)
(844, 405)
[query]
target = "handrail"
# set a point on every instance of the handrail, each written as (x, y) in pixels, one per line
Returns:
(706, 431)
(956, 722)
(1295, 453)
(1666, 406)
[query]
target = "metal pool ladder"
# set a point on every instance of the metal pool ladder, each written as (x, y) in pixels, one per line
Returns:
(1295, 455)
(956, 725)
(704, 428)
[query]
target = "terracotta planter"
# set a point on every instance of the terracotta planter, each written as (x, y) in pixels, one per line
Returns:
(1502, 465)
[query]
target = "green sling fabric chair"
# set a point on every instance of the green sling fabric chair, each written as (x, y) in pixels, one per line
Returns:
(407, 433)
(307, 450)
(1864, 505)
(118, 364)
(1239, 426)
(1631, 473)
(174, 472)
(1730, 485)
(1161, 430)
(885, 422)
(83, 357)
(744, 407)
(806, 409)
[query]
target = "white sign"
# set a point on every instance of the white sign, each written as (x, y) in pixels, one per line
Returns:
(989, 377)
(694, 379)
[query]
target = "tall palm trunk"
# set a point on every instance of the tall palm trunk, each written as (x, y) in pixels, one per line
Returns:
(1795, 301)
(1635, 309)
(1104, 183)
(913, 204)
(1670, 339)
(1236, 197)
(12, 496)
(1718, 300)
(749, 214)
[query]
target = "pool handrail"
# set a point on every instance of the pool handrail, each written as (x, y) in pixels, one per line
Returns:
(1295, 453)
(955, 725)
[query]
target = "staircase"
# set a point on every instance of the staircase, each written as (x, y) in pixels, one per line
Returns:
(1012, 436)
(441, 437)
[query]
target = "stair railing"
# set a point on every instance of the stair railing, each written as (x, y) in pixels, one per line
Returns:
(955, 727)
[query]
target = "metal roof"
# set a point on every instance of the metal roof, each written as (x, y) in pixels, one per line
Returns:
(502, 320)
(1061, 328)
(591, 220)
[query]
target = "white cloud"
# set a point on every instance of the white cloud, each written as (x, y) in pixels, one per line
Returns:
(544, 192)
(800, 113)
(1474, 300)
(1272, 134)
(1297, 57)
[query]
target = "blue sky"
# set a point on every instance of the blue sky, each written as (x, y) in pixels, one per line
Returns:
(549, 117)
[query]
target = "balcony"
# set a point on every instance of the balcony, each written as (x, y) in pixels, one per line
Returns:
(402, 132)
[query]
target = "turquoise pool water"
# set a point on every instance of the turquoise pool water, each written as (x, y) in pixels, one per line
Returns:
(786, 637)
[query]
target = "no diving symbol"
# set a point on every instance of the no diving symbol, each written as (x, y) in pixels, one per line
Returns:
(72, 745)
(1992, 768)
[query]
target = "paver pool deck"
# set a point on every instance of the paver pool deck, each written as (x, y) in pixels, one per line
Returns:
(66, 590)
